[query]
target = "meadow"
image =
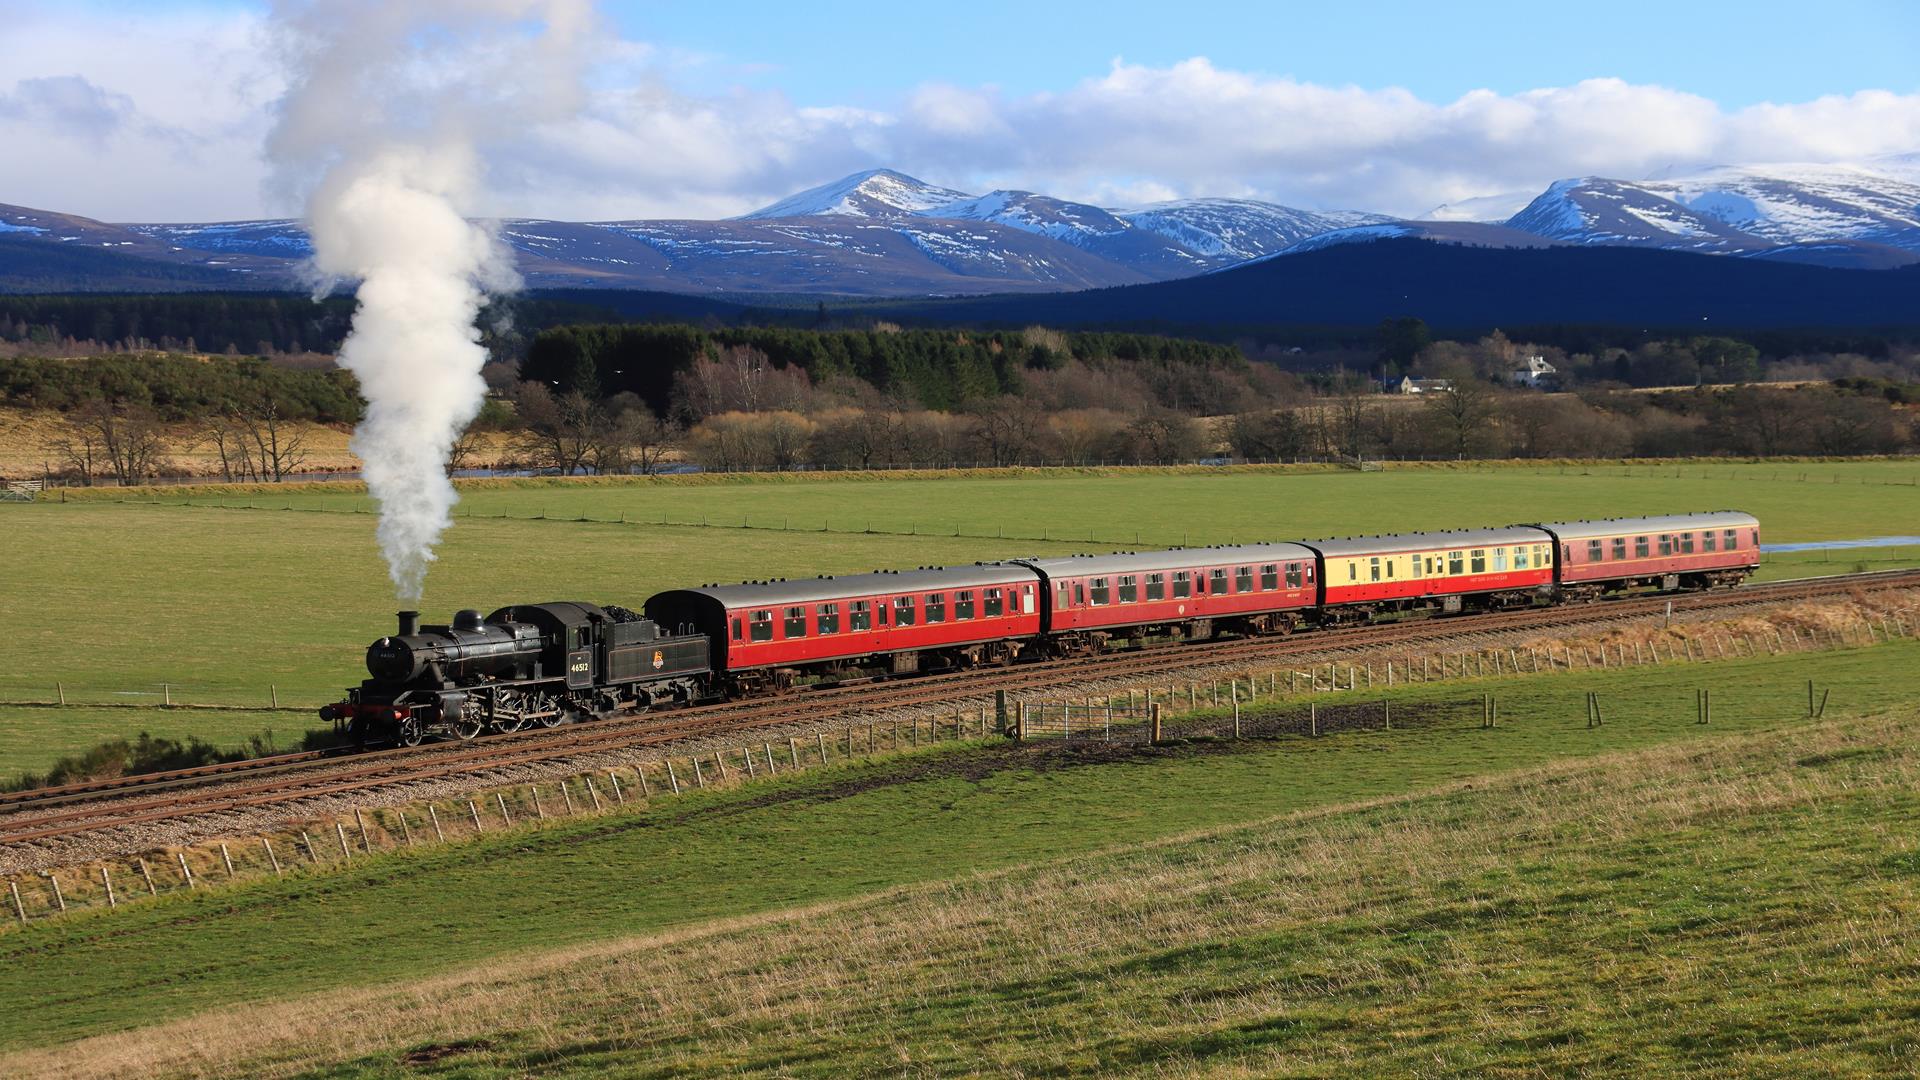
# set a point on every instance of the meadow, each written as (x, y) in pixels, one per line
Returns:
(231, 596)
(1648, 895)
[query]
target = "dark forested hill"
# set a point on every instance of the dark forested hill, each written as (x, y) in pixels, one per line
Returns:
(1455, 286)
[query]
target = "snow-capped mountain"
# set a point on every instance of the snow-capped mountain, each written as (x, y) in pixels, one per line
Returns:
(1839, 215)
(1234, 230)
(876, 193)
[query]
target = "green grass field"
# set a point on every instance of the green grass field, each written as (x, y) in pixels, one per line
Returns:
(222, 601)
(832, 836)
(1015, 915)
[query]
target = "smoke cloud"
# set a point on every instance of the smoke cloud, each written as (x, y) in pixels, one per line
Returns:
(383, 130)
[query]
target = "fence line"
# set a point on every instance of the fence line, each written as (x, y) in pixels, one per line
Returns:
(1213, 707)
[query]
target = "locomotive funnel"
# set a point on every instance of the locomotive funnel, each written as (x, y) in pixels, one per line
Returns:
(409, 623)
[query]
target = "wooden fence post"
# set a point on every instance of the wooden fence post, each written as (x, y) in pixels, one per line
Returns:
(271, 857)
(821, 738)
(152, 889)
(227, 858)
(592, 792)
(473, 809)
(166, 695)
(60, 689)
(539, 812)
(340, 831)
(793, 752)
(768, 748)
(1386, 708)
(107, 883)
(672, 780)
(185, 870)
(747, 756)
(1313, 718)
(434, 816)
(406, 831)
(566, 795)
(366, 842)
(620, 798)
(19, 908)
(500, 799)
(58, 897)
(699, 778)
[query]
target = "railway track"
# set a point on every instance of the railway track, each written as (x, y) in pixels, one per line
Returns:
(50, 814)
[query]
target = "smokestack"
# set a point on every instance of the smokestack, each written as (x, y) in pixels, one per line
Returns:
(409, 623)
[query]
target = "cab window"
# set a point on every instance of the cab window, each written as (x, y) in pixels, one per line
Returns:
(903, 611)
(796, 622)
(963, 604)
(760, 626)
(860, 615)
(1156, 586)
(1182, 584)
(1129, 592)
(827, 618)
(995, 603)
(1099, 592)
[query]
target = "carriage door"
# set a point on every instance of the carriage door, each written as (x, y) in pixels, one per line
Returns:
(1026, 599)
(579, 658)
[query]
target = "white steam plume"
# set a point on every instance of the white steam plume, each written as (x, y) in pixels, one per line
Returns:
(391, 105)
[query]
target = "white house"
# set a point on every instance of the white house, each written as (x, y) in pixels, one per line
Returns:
(1536, 372)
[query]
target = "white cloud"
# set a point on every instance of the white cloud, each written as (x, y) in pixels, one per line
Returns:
(133, 117)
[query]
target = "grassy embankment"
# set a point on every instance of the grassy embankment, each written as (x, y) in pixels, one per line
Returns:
(1647, 896)
(115, 598)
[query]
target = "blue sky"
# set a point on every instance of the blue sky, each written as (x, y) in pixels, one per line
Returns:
(161, 110)
(828, 51)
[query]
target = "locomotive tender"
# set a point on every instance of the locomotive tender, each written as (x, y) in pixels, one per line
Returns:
(550, 663)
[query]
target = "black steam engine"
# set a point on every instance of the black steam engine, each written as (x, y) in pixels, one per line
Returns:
(532, 664)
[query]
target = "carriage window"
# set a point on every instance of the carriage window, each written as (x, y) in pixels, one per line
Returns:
(796, 622)
(1619, 548)
(1666, 543)
(1374, 567)
(1416, 565)
(1293, 575)
(1353, 570)
(1390, 563)
(1243, 579)
(1708, 540)
(1520, 558)
(1756, 538)
(1456, 563)
(1156, 586)
(860, 617)
(760, 626)
(1733, 539)
(963, 604)
(1500, 558)
(827, 618)
(1480, 560)
(1686, 543)
(1080, 593)
(1129, 592)
(1066, 596)
(1219, 586)
(903, 611)
(1593, 551)
(1182, 584)
(736, 628)
(1270, 576)
(1099, 591)
(995, 604)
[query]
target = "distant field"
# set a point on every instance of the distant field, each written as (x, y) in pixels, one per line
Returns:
(233, 593)
(1733, 902)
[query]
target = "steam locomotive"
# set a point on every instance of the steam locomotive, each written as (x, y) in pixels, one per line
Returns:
(547, 664)
(527, 665)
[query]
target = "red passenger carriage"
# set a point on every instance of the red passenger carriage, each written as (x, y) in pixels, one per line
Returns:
(1189, 592)
(1671, 552)
(774, 632)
